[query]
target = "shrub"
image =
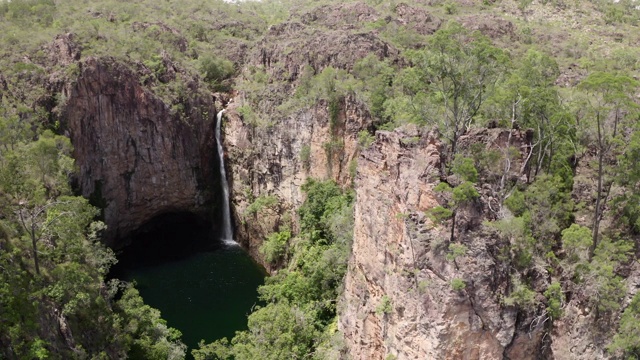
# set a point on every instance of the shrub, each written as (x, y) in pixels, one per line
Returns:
(626, 339)
(275, 246)
(305, 157)
(260, 203)
(365, 139)
(521, 295)
(458, 284)
(385, 306)
(455, 251)
(215, 71)
(555, 299)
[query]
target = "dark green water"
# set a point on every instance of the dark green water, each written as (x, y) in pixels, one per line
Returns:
(203, 288)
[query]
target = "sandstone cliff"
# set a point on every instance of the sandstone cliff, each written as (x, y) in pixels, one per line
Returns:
(399, 259)
(274, 155)
(267, 161)
(137, 157)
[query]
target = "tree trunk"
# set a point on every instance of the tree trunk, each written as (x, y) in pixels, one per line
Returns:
(596, 215)
(34, 244)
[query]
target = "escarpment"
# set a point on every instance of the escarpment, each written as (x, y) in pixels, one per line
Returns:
(274, 162)
(272, 152)
(137, 158)
(398, 297)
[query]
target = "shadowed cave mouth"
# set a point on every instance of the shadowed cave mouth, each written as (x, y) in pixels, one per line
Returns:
(167, 237)
(201, 286)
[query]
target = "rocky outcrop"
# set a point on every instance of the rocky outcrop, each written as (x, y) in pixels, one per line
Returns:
(337, 16)
(276, 159)
(399, 296)
(136, 157)
(338, 47)
(275, 154)
(417, 19)
(490, 25)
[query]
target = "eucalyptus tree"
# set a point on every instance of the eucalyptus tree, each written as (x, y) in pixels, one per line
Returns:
(448, 82)
(610, 110)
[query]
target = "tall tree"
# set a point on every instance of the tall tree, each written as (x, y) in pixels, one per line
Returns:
(609, 106)
(453, 75)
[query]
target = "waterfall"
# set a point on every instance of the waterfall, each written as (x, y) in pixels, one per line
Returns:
(227, 231)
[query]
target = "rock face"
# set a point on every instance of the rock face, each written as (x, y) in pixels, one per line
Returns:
(271, 161)
(399, 297)
(136, 157)
(276, 154)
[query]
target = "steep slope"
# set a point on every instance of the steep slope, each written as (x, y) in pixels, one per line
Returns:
(398, 295)
(136, 158)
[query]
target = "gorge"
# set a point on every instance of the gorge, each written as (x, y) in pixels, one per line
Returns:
(203, 286)
(428, 179)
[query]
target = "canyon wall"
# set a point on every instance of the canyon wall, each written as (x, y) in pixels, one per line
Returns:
(406, 297)
(274, 154)
(398, 297)
(269, 161)
(137, 158)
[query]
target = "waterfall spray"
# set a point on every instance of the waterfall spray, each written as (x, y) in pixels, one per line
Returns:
(227, 230)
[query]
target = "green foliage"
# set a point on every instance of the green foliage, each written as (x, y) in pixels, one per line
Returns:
(455, 251)
(448, 83)
(440, 213)
(331, 86)
(599, 280)
(216, 70)
(52, 260)
(277, 331)
(458, 284)
(464, 193)
(522, 244)
(26, 11)
(555, 300)
(516, 203)
(376, 76)
(464, 167)
(260, 203)
(450, 7)
(385, 306)
(442, 187)
(275, 246)
(249, 115)
(576, 242)
(305, 157)
(521, 295)
(217, 350)
(628, 176)
(365, 139)
(147, 332)
(626, 339)
(323, 200)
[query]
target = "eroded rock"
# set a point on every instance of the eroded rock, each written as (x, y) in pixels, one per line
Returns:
(136, 157)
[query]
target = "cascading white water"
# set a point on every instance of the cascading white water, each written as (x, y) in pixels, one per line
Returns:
(227, 230)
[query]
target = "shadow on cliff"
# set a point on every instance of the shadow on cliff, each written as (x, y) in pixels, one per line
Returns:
(165, 238)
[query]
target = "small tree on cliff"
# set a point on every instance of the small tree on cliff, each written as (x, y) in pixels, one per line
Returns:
(461, 195)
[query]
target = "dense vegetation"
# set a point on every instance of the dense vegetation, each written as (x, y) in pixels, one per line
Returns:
(299, 318)
(576, 230)
(53, 266)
